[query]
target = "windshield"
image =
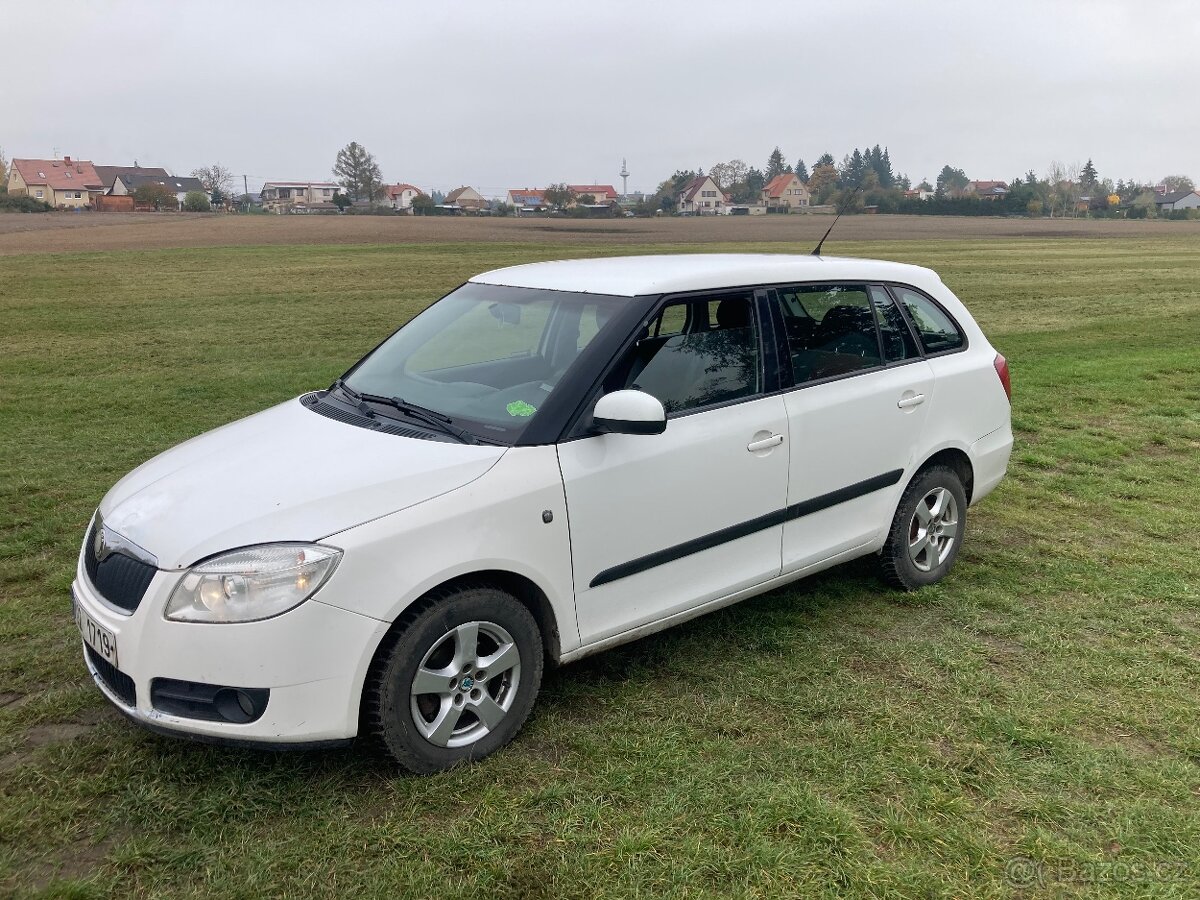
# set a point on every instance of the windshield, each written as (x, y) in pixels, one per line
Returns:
(487, 357)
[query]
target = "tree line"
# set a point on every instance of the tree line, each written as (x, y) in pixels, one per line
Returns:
(866, 177)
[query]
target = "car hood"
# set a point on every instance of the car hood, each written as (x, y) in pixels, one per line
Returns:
(285, 474)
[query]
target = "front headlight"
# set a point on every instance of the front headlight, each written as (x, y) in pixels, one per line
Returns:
(252, 583)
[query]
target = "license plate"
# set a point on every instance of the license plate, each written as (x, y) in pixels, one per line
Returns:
(95, 635)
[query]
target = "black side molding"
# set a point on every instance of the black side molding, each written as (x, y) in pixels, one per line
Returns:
(742, 529)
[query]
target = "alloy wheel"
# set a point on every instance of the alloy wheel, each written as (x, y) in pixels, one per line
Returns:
(933, 529)
(466, 684)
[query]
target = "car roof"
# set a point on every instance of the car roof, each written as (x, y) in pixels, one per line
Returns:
(633, 276)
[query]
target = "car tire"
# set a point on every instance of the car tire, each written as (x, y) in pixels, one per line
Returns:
(478, 651)
(927, 530)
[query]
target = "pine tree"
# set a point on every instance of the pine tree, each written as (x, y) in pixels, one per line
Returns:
(776, 164)
(887, 177)
(357, 172)
(1087, 178)
(825, 159)
(801, 170)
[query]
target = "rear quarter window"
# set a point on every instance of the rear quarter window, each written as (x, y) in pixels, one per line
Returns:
(937, 331)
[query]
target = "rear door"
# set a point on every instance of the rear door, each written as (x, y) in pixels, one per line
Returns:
(856, 411)
(662, 523)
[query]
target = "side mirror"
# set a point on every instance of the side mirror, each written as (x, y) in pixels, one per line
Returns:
(629, 412)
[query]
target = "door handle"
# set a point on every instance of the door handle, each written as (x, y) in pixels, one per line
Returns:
(907, 402)
(765, 444)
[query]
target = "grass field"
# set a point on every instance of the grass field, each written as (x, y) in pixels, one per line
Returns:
(832, 738)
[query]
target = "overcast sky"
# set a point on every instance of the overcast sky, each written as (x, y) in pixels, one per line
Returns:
(527, 92)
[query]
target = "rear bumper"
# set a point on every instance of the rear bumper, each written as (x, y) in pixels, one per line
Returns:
(989, 458)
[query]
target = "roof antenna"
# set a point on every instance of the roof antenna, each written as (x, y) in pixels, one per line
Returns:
(857, 188)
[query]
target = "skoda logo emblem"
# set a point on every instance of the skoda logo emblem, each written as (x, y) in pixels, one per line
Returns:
(99, 548)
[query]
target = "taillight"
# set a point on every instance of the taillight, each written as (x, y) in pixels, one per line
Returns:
(1001, 365)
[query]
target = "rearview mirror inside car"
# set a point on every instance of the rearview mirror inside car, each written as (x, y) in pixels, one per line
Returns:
(506, 313)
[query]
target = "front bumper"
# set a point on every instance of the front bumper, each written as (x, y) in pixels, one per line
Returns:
(313, 660)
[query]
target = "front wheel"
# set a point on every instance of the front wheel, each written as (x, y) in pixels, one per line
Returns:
(458, 682)
(927, 530)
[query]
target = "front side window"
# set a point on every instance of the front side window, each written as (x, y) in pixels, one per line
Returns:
(488, 357)
(830, 330)
(696, 353)
(937, 330)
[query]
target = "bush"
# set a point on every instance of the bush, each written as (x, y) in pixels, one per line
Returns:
(22, 203)
(196, 201)
(1136, 212)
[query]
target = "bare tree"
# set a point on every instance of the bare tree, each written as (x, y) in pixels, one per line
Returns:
(217, 181)
(1171, 182)
(727, 174)
(1064, 189)
(3, 172)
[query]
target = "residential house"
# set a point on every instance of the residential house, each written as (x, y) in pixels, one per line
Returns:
(63, 183)
(605, 194)
(1177, 200)
(108, 174)
(179, 185)
(785, 193)
(466, 198)
(526, 200)
(920, 192)
(401, 196)
(701, 196)
(298, 196)
(986, 190)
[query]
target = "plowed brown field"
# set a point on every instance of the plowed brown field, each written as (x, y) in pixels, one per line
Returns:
(72, 232)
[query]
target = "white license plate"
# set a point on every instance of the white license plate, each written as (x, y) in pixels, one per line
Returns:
(94, 634)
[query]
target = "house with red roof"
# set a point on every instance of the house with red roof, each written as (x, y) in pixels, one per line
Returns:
(603, 193)
(63, 183)
(401, 196)
(701, 196)
(786, 193)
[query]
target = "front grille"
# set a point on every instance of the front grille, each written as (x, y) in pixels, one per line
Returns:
(116, 680)
(120, 579)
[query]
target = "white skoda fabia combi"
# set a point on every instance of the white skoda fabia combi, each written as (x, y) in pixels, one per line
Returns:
(551, 460)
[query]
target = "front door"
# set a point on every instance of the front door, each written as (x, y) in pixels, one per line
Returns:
(663, 523)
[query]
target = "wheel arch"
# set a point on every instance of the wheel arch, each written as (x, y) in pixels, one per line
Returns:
(953, 458)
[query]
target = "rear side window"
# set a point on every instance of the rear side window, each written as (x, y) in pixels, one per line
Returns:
(937, 330)
(897, 339)
(830, 330)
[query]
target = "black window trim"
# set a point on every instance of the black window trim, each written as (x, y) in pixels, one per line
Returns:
(891, 287)
(916, 338)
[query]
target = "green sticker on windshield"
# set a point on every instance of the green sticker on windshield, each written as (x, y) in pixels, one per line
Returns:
(520, 408)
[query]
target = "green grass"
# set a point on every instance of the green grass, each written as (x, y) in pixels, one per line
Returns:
(832, 738)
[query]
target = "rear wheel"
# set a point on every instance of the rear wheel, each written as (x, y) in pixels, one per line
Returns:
(927, 530)
(457, 682)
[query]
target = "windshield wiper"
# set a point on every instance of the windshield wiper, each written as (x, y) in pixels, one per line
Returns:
(355, 398)
(434, 420)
